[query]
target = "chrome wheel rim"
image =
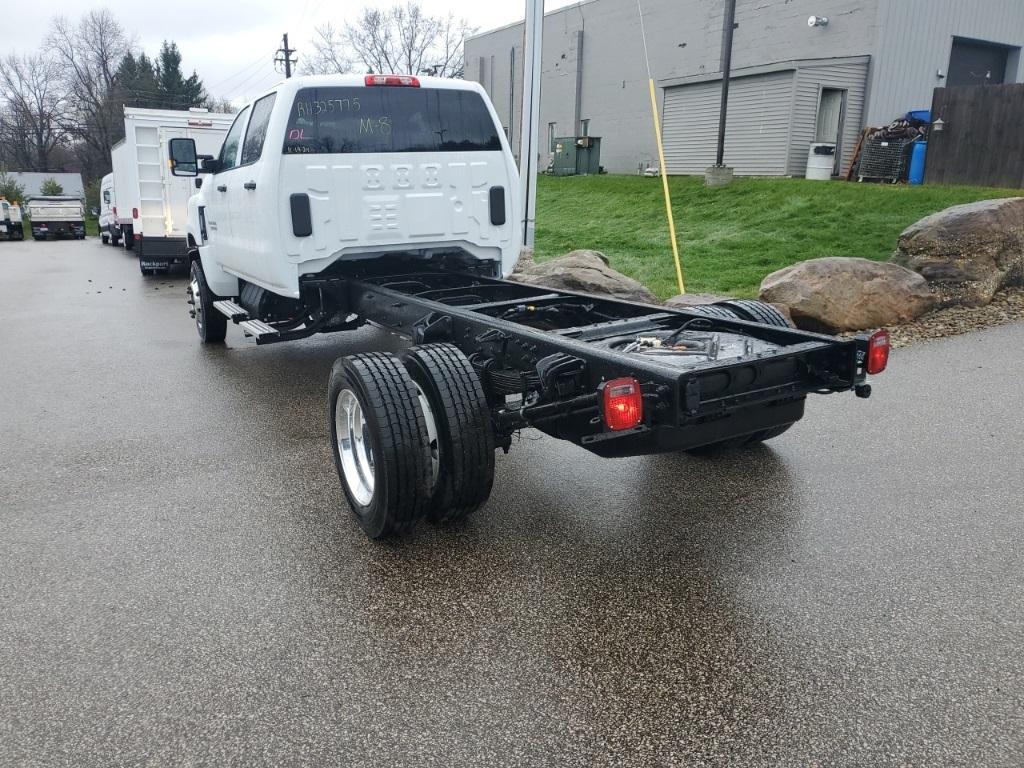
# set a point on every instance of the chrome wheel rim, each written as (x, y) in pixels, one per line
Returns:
(197, 300)
(435, 454)
(354, 449)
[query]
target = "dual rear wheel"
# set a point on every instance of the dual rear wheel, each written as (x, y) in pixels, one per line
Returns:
(412, 437)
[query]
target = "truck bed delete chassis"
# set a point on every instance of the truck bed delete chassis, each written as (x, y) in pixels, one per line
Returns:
(543, 356)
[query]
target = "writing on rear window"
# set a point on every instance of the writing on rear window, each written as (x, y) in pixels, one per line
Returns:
(386, 119)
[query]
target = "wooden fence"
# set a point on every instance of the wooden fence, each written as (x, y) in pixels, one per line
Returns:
(982, 142)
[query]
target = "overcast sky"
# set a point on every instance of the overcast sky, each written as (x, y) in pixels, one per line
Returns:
(231, 45)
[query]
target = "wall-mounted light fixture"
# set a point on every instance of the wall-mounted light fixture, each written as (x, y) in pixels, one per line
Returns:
(817, 21)
(938, 126)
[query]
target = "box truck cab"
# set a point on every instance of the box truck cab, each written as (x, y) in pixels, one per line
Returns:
(349, 167)
(10, 221)
(110, 233)
(150, 202)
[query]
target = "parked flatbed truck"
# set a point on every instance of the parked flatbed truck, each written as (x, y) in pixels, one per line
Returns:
(343, 200)
(59, 216)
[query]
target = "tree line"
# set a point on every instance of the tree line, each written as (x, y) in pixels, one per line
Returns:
(61, 107)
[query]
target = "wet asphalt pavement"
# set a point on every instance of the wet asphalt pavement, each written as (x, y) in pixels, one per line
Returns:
(181, 582)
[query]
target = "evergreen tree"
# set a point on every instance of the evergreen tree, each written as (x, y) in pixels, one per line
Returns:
(177, 91)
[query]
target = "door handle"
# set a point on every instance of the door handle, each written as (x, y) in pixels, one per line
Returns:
(250, 185)
(222, 188)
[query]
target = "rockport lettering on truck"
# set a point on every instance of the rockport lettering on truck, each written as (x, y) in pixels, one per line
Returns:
(306, 223)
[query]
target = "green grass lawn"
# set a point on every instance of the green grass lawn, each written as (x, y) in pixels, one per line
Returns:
(730, 238)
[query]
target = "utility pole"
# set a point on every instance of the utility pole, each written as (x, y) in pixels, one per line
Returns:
(719, 175)
(286, 57)
(528, 134)
(727, 31)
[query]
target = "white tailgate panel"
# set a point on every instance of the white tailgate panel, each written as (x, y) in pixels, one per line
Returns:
(398, 203)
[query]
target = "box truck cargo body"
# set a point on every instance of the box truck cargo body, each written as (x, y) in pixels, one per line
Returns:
(150, 202)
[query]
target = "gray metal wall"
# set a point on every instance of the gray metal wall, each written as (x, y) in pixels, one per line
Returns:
(684, 38)
(915, 38)
(757, 137)
(851, 75)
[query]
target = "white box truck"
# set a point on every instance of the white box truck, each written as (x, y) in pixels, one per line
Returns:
(150, 203)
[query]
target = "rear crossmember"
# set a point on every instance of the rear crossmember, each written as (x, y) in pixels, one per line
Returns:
(542, 363)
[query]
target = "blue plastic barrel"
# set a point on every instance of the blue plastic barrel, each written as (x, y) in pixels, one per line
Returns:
(917, 162)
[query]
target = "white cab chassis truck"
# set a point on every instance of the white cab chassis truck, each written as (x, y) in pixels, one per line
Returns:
(57, 215)
(11, 227)
(342, 200)
(110, 232)
(149, 202)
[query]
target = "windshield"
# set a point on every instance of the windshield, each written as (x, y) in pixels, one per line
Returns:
(389, 119)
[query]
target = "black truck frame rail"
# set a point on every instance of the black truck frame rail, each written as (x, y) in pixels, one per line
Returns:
(542, 364)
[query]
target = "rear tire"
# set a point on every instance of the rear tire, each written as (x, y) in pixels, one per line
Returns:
(714, 310)
(459, 430)
(756, 312)
(211, 325)
(379, 440)
(105, 239)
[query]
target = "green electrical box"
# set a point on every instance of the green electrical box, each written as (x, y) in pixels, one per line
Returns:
(577, 156)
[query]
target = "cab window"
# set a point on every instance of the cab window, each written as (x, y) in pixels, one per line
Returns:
(106, 196)
(389, 119)
(256, 133)
(232, 142)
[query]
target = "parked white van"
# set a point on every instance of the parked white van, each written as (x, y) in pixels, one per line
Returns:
(110, 232)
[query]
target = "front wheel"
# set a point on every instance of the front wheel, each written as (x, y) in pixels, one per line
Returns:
(211, 325)
(380, 444)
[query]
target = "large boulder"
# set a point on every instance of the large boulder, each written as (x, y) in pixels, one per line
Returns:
(586, 272)
(847, 294)
(967, 252)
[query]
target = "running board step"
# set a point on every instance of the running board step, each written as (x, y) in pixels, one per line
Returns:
(259, 330)
(231, 310)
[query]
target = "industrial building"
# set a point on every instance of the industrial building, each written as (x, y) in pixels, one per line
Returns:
(804, 71)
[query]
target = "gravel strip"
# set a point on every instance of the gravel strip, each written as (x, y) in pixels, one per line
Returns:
(1006, 307)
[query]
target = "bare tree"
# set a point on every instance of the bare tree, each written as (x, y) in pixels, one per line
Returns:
(32, 122)
(402, 40)
(328, 56)
(89, 53)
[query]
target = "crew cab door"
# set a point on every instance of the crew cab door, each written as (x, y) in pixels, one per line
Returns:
(223, 196)
(258, 199)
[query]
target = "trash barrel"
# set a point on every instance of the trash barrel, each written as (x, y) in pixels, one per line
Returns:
(918, 158)
(821, 160)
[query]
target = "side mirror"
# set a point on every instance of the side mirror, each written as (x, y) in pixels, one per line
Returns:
(183, 157)
(209, 165)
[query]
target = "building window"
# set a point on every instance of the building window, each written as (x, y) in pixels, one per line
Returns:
(585, 127)
(551, 137)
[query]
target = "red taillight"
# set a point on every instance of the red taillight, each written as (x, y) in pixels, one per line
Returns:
(135, 213)
(115, 210)
(878, 352)
(407, 81)
(623, 403)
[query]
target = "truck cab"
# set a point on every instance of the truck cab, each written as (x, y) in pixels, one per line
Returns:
(11, 227)
(333, 168)
(110, 232)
